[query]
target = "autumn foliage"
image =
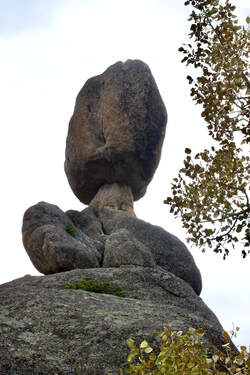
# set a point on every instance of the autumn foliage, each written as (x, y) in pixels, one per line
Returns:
(185, 354)
(211, 191)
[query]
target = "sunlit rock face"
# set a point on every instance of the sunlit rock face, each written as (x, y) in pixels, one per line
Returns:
(116, 132)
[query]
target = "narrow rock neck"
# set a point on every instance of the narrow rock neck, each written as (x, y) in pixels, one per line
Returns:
(114, 197)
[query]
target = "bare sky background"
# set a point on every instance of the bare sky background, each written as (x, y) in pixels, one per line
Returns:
(49, 48)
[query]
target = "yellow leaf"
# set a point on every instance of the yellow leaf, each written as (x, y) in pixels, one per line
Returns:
(227, 360)
(130, 357)
(144, 344)
(148, 350)
(130, 343)
(191, 330)
(215, 358)
(200, 332)
(152, 357)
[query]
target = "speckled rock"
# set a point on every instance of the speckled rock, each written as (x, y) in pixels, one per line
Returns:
(50, 247)
(123, 249)
(116, 132)
(167, 250)
(102, 238)
(46, 329)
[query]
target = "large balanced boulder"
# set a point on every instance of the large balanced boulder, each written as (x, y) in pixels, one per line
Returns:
(116, 132)
(56, 241)
(46, 329)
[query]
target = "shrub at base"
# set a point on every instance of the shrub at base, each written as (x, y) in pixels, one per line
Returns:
(185, 354)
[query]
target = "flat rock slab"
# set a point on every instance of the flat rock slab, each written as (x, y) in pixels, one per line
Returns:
(116, 132)
(46, 329)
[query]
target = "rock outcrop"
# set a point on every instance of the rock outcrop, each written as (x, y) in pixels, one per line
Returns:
(116, 132)
(47, 329)
(102, 238)
(113, 149)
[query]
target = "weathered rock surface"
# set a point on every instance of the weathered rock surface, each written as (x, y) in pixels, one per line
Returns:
(46, 329)
(103, 238)
(50, 247)
(167, 250)
(123, 249)
(116, 132)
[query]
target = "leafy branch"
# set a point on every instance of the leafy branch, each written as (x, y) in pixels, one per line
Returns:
(210, 193)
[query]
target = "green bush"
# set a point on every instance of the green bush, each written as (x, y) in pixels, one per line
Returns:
(97, 287)
(185, 354)
(70, 229)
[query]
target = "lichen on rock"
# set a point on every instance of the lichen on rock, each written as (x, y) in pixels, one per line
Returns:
(47, 329)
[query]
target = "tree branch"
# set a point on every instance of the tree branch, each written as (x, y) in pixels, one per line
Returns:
(227, 51)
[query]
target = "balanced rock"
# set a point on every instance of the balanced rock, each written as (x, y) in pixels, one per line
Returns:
(116, 132)
(47, 329)
(113, 149)
(56, 241)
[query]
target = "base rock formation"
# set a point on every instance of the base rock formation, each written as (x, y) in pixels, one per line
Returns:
(56, 241)
(47, 329)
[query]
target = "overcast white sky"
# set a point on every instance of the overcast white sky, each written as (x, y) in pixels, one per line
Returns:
(49, 48)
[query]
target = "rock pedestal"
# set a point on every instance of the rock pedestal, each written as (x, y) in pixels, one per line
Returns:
(114, 197)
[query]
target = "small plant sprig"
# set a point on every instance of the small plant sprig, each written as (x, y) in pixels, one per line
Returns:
(70, 229)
